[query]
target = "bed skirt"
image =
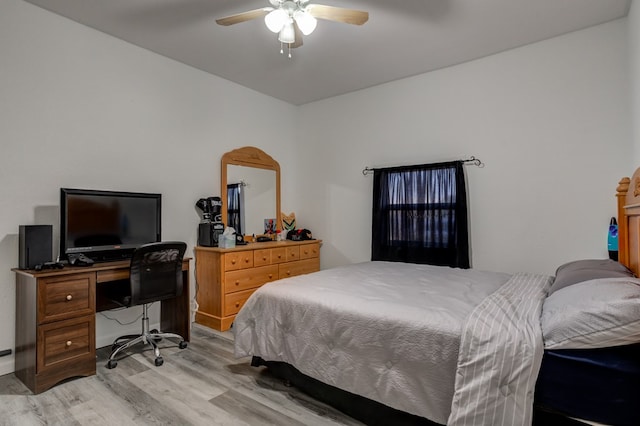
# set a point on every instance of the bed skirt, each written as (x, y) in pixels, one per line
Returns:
(372, 412)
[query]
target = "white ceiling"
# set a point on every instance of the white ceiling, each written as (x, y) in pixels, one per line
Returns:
(402, 38)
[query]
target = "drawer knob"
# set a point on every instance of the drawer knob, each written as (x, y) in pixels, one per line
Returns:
(68, 343)
(306, 252)
(264, 257)
(233, 261)
(237, 304)
(270, 276)
(279, 256)
(237, 282)
(288, 272)
(69, 297)
(246, 260)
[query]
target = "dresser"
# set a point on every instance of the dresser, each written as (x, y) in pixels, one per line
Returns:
(225, 278)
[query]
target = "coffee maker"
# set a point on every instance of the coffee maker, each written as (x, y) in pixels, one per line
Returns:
(211, 226)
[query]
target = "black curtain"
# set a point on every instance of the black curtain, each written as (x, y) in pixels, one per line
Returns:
(420, 215)
(234, 207)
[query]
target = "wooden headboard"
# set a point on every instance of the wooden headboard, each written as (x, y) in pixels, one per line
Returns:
(628, 194)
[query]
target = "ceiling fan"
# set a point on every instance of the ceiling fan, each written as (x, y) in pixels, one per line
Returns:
(291, 19)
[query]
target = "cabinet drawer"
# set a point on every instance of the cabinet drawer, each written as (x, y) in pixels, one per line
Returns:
(65, 340)
(293, 253)
(66, 297)
(291, 269)
(278, 255)
(308, 251)
(238, 260)
(234, 301)
(262, 257)
(249, 278)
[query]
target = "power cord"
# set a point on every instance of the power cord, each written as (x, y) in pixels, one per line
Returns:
(120, 322)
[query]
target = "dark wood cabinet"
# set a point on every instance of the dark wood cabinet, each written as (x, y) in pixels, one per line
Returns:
(55, 320)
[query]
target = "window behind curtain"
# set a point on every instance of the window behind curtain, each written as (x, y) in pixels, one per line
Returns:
(234, 207)
(420, 215)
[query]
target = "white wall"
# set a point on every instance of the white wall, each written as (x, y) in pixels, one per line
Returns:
(79, 108)
(550, 121)
(634, 74)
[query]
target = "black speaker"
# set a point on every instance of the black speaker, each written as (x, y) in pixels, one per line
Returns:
(209, 233)
(35, 243)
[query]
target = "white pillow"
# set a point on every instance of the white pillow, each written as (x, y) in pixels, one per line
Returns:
(593, 314)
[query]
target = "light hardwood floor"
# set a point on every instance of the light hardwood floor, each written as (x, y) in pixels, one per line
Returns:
(201, 385)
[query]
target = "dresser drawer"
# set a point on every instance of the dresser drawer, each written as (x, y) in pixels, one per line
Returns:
(249, 278)
(278, 255)
(238, 260)
(66, 297)
(65, 341)
(293, 253)
(262, 257)
(309, 251)
(235, 301)
(291, 269)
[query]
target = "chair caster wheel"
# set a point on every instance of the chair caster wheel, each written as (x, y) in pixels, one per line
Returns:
(112, 364)
(159, 361)
(182, 344)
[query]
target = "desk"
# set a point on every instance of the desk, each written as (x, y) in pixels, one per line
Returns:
(55, 319)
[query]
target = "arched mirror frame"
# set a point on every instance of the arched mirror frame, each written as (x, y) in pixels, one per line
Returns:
(249, 156)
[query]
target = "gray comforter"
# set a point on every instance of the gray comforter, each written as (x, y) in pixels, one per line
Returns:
(409, 336)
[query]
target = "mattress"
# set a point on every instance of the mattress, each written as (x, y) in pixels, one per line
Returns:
(603, 387)
(388, 331)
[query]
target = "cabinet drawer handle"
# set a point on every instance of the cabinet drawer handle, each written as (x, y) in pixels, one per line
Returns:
(288, 272)
(233, 261)
(264, 257)
(68, 343)
(246, 260)
(69, 297)
(279, 256)
(237, 304)
(306, 252)
(293, 254)
(270, 276)
(237, 282)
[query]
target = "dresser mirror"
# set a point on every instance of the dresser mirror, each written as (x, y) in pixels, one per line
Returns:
(250, 189)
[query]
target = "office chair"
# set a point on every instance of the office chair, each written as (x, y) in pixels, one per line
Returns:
(155, 275)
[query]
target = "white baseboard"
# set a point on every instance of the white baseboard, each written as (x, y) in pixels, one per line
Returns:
(7, 364)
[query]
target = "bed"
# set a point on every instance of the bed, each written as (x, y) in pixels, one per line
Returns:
(418, 344)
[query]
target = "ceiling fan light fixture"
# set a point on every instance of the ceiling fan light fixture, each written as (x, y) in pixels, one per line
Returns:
(306, 22)
(288, 33)
(276, 20)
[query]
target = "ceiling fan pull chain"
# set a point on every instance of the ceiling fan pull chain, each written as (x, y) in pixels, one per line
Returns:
(281, 49)
(289, 50)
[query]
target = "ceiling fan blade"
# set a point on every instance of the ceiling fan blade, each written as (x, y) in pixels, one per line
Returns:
(244, 16)
(299, 34)
(338, 14)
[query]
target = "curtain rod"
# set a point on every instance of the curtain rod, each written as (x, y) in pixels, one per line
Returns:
(471, 160)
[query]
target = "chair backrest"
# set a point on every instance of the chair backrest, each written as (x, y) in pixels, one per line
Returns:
(156, 272)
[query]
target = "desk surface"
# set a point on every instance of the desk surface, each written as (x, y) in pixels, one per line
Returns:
(96, 267)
